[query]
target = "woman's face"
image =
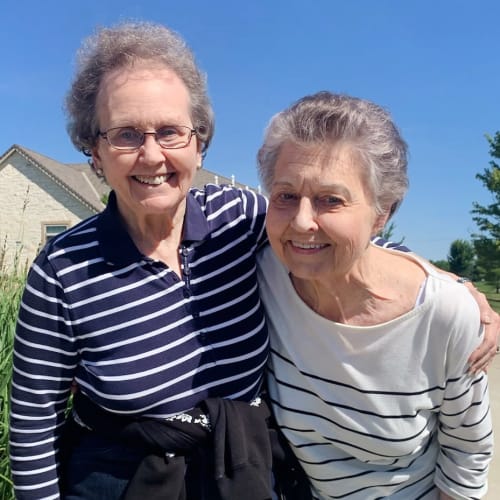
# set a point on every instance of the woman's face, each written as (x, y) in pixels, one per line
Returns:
(151, 180)
(321, 216)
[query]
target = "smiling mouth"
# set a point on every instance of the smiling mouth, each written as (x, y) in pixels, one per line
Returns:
(307, 246)
(152, 180)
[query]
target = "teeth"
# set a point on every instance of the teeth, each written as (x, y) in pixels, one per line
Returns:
(307, 246)
(158, 179)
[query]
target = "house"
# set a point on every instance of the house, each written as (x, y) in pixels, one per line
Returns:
(41, 197)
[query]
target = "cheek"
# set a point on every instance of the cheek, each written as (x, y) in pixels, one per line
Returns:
(186, 164)
(274, 226)
(345, 231)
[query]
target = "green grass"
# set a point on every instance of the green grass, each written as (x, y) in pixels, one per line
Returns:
(11, 286)
(491, 295)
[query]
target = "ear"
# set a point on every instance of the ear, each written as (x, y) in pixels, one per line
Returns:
(96, 158)
(199, 154)
(380, 222)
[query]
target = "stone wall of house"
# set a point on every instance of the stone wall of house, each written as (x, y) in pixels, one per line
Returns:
(28, 200)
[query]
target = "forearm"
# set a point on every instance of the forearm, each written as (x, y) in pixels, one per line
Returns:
(44, 359)
(467, 437)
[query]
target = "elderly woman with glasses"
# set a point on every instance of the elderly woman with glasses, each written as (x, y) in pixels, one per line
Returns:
(368, 373)
(151, 307)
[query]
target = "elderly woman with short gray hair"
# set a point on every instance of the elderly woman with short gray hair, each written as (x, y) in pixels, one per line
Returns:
(368, 373)
(151, 306)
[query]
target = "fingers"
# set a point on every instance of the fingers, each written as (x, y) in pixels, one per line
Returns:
(482, 357)
(481, 366)
(487, 314)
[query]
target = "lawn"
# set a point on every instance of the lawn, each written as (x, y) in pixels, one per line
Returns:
(491, 295)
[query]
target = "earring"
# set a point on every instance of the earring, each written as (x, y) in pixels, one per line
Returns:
(99, 172)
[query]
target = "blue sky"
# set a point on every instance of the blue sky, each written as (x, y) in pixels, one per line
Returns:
(434, 64)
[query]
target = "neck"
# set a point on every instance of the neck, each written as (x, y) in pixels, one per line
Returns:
(380, 287)
(158, 236)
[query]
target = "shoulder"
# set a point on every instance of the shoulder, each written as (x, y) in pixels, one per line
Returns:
(231, 207)
(456, 316)
(74, 246)
(454, 299)
(80, 235)
(215, 196)
(381, 242)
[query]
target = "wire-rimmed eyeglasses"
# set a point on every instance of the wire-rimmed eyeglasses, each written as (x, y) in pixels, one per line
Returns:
(132, 138)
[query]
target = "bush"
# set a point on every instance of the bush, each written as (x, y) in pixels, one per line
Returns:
(11, 286)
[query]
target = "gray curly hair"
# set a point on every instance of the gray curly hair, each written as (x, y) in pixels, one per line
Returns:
(121, 46)
(327, 119)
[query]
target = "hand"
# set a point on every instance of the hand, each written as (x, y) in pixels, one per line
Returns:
(485, 353)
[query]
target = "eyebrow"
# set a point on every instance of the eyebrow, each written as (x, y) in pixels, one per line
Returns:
(337, 188)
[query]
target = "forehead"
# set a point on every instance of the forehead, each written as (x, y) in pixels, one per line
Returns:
(142, 90)
(317, 159)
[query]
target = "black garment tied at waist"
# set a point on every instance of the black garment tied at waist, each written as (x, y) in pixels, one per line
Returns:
(238, 450)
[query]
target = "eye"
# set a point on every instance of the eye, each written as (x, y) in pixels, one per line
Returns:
(167, 133)
(127, 135)
(330, 201)
(284, 198)
(287, 196)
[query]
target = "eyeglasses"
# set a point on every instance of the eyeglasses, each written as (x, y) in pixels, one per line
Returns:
(131, 138)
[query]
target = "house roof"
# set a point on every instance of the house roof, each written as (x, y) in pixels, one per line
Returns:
(80, 180)
(204, 176)
(76, 178)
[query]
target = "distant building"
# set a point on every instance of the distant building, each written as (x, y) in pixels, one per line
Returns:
(41, 197)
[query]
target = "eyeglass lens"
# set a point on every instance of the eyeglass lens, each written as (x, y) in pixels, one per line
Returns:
(133, 138)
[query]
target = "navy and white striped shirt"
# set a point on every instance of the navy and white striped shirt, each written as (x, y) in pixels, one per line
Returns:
(138, 339)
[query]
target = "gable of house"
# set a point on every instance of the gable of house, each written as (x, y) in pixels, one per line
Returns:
(38, 198)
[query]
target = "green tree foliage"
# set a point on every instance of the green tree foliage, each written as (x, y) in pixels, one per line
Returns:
(442, 264)
(487, 218)
(488, 260)
(387, 233)
(461, 258)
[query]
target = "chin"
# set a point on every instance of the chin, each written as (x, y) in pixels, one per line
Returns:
(304, 272)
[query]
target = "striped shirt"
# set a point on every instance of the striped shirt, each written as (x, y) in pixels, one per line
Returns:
(385, 410)
(138, 339)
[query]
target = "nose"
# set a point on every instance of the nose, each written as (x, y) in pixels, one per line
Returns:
(151, 151)
(304, 219)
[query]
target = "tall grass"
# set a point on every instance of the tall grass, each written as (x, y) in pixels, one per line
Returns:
(11, 286)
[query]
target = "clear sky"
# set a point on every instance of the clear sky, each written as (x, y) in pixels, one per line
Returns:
(433, 63)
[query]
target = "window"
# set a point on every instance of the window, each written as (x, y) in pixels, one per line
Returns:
(51, 230)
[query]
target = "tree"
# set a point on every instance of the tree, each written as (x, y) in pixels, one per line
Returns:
(488, 262)
(442, 264)
(461, 258)
(487, 218)
(387, 232)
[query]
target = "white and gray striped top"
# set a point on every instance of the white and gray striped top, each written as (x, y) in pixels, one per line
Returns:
(385, 410)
